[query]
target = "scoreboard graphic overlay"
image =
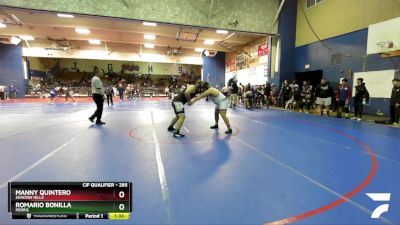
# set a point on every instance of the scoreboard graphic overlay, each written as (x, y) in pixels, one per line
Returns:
(70, 200)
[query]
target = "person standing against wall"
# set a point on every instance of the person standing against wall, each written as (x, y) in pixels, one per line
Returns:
(267, 93)
(324, 93)
(285, 93)
(98, 98)
(395, 102)
(361, 97)
(343, 97)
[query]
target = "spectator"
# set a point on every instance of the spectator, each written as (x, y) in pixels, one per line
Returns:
(324, 93)
(234, 93)
(295, 97)
(306, 97)
(174, 81)
(258, 95)
(267, 94)
(2, 93)
(395, 102)
(121, 91)
(361, 97)
(171, 92)
(285, 93)
(128, 92)
(13, 92)
(110, 94)
(274, 94)
(225, 91)
(166, 91)
(6, 93)
(248, 94)
(241, 93)
(343, 97)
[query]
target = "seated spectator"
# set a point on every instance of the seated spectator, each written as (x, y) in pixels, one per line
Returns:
(306, 97)
(295, 97)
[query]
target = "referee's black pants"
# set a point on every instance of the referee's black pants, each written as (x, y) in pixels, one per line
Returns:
(98, 99)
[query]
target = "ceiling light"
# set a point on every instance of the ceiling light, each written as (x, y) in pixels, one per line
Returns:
(150, 36)
(149, 45)
(65, 15)
(15, 40)
(2, 25)
(222, 31)
(199, 49)
(209, 42)
(82, 31)
(27, 38)
(94, 42)
(149, 24)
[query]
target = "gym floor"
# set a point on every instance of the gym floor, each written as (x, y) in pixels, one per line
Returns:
(278, 167)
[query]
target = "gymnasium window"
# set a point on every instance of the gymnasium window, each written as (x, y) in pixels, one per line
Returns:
(311, 3)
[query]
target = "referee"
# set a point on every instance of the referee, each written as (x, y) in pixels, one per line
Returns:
(98, 98)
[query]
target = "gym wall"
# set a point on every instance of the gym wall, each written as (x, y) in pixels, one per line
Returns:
(11, 67)
(87, 65)
(332, 18)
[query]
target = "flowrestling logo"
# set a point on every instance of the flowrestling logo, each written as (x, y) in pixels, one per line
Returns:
(379, 197)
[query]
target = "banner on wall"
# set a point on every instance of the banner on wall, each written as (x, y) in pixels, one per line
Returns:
(263, 50)
(241, 61)
(230, 66)
(130, 68)
(36, 78)
(255, 75)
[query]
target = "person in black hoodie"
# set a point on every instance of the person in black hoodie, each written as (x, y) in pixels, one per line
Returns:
(324, 93)
(286, 90)
(395, 102)
(267, 93)
(361, 97)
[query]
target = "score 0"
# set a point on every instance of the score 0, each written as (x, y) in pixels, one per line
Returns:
(121, 195)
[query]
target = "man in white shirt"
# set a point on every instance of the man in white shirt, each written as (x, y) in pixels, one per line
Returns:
(98, 98)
